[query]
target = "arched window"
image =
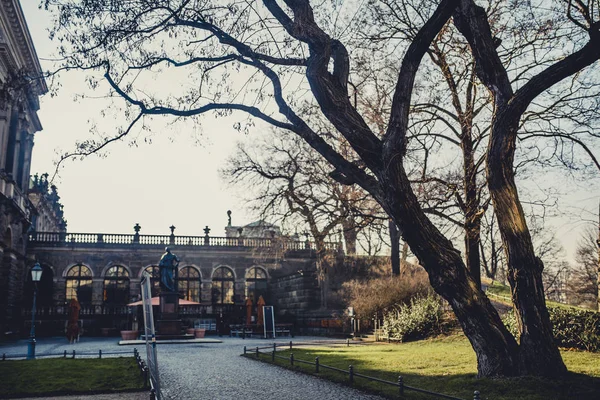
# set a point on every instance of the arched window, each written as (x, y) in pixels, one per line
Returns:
(189, 284)
(154, 272)
(116, 285)
(79, 284)
(223, 286)
(256, 284)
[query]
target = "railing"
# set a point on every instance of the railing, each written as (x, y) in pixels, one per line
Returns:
(108, 239)
(352, 374)
(86, 310)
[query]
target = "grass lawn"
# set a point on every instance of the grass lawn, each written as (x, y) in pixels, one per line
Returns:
(59, 376)
(445, 365)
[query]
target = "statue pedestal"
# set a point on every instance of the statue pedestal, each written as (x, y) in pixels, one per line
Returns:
(169, 324)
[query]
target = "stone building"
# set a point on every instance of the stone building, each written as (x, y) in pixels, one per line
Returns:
(20, 87)
(103, 271)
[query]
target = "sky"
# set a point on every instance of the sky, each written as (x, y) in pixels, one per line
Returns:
(175, 180)
(172, 181)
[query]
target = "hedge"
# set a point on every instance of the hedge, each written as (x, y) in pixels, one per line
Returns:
(572, 327)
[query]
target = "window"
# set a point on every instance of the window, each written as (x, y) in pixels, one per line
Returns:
(79, 284)
(116, 285)
(256, 284)
(154, 273)
(189, 284)
(223, 286)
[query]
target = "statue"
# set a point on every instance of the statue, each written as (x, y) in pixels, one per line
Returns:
(167, 266)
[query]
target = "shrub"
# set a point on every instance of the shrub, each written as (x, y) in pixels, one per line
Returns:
(372, 296)
(420, 318)
(572, 327)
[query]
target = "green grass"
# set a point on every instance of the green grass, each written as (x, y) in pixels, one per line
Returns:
(445, 365)
(67, 376)
(501, 293)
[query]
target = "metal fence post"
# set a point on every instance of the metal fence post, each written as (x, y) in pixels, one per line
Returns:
(476, 395)
(256, 351)
(73, 353)
(3, 356)
(145, 371)
(100, 353)
(351, 374)
(347, 342)
(317, 365)
(292, 359)
(401, 385)
(290, 344)
(65, 354)
(274, 349)
(244, 350)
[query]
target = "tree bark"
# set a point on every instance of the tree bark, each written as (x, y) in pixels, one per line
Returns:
(538, 352)
(472, 214)
(496, 349)
(395, 248)
(350, 235)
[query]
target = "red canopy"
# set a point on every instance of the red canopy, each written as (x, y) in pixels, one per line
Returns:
(156, 301)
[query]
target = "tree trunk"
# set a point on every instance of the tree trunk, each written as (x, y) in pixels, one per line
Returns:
(403, 257)
(538, 352)
(598, 269)
(350, 235)
(471, 209)
(395, 248)
(496, 349)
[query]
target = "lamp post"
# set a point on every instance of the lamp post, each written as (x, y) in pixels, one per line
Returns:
(36, 275)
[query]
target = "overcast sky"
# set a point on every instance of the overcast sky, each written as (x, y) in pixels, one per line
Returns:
(175, 179)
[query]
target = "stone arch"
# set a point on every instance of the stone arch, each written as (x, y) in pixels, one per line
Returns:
(223, 285)
(115, 264)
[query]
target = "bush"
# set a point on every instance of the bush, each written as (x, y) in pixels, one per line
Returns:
(417, 320)
(372, 296)
(571, 327)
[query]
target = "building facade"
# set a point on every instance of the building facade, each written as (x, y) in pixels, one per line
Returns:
(21, 84)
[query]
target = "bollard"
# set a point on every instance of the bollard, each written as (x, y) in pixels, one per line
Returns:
(256, 351)
(476, 395)
(152, 394)
(317, 365)
(244, 350)
(73, 354)
(292, 359)
(65, 355)
(351, 374)
(401, 385)
(347, 342)
(145, 376)
(290, 344)
(273, 355)
(100, 353)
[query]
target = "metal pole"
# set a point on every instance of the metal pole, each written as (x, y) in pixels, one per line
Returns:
(317, 365)
(401, 385)
(31, 344)
(351, 374)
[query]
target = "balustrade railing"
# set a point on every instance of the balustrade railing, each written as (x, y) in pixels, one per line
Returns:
(103, 239)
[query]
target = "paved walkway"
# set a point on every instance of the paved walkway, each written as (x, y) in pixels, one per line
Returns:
(207, 371)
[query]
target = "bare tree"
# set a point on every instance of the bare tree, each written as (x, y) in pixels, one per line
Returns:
(583, 275)
(285, 45)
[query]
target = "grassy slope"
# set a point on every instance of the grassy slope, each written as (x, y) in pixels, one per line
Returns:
(447, 365)
(68, 376)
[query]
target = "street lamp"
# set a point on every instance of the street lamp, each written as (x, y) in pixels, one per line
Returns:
(36, 275)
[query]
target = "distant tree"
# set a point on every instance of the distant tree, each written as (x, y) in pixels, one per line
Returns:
(583, 277)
